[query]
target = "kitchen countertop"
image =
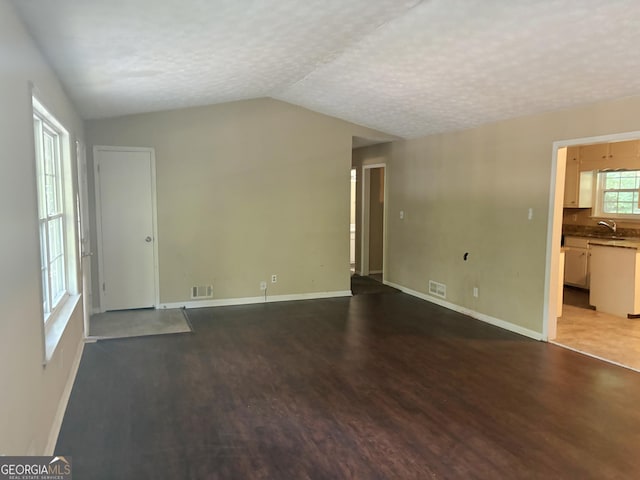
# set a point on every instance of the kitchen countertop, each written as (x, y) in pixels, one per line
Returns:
(622, 243)
(603, 236)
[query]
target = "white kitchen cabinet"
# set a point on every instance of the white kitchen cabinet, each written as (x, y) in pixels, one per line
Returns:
(594, 155)
(578, 186)
(585, 189)
(609, 155)
(571, 178)
(576, 262)
(615, 280)
(625, 152)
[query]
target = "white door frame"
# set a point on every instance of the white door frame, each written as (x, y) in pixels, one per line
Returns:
(84, 233)
(151, 151)
(554, 225)
(364, 221)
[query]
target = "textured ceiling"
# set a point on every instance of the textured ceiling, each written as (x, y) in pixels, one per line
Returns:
(404, 67)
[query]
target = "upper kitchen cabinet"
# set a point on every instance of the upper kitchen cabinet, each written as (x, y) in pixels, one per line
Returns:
(571, 178)
(625, 151)
(578, 186)
(593, 156)
(610, 155)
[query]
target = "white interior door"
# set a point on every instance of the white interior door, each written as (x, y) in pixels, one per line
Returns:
(125, 189)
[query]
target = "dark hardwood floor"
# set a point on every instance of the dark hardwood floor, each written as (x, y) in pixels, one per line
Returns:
(578, 297)
(369, 285)
(368, 387)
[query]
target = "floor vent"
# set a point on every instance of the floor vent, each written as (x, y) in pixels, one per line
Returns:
(437, 289)
(202, 291)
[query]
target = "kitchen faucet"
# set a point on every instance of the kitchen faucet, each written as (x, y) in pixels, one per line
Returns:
(613, 225)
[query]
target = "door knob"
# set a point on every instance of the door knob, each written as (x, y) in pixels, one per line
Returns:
(148, 239)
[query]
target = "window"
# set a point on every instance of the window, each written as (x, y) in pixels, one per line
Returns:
(51, 210)
(617, 194)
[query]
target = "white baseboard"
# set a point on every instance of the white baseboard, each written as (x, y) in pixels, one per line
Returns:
(64, 400)
(512, 327)
(374, 272)
(224, 302)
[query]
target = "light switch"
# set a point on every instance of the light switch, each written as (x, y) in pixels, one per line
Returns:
(401, 214)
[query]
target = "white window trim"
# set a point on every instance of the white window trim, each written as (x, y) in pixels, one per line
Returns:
(54, 325)
(597, 212)
(47, 126)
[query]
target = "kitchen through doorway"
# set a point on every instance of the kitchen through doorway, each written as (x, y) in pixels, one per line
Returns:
(594, 210)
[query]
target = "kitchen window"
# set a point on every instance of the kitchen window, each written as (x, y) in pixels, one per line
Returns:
(617, 194)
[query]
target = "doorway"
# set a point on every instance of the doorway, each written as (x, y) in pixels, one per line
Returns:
(373, 221)
(126, 227)
(370, 279)
(571, 321)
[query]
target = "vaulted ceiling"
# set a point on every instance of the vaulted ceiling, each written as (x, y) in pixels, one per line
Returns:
(404, 67)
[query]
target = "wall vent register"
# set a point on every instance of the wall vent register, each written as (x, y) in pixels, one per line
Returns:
(437, 289)
(201, 291)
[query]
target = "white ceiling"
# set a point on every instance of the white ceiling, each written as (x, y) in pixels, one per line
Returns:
(404, 67)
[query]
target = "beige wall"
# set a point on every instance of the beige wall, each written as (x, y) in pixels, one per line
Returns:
(30, 393)
(470, 191)
(246, 190)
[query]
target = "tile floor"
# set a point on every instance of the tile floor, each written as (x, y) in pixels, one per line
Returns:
(136, 323)
(605, 336)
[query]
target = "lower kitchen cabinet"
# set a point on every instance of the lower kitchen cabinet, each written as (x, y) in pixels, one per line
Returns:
(576, 263)
(615, 286)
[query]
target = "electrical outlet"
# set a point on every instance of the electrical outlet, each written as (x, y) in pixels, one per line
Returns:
(263, 285)
(274, 278)
(475, 292)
